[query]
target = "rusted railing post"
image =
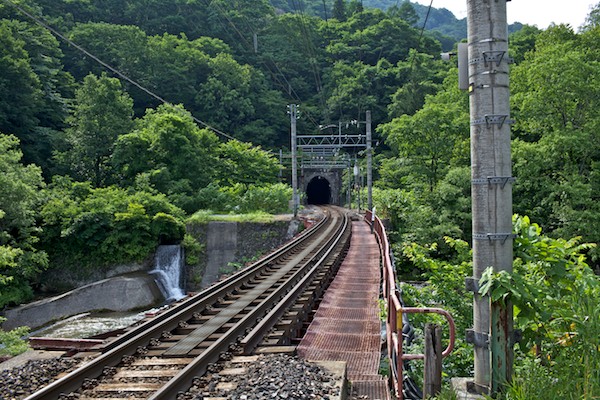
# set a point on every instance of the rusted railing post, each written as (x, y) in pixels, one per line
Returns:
(394, 323)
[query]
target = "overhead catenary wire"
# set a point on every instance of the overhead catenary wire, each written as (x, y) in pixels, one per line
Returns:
(109, 67)
(298, 6)
(412, 62)
(278, 73)
(286, 84)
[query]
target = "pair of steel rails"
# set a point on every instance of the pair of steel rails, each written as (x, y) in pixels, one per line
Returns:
(261, 294)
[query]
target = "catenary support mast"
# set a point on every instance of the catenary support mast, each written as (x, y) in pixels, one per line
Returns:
(293, 111)
(491, 188)
(369, 162)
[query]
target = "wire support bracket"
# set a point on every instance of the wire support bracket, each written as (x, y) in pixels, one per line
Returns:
(492, 56)
(472, 284)
(472, 87)
(478, 339)
(494, 180)
(490, 72)
(489, 40)
(493, 119)
(503, 237)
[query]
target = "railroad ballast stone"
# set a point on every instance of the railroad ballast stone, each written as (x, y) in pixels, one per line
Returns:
(19, 382)
(271, 377)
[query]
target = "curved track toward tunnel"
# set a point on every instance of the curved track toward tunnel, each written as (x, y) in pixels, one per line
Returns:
(162, 356)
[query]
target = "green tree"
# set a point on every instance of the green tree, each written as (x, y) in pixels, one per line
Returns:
(355, 7)
(407, 12)
(421, 76)
(168, 149)
(244, 163)
(592, 21)
(372, 35)
(102, 113)
(339, 10)
(557, 155)
(20, 88)
(33, 89)
(428, 139)
(522, 42)
(20, 260)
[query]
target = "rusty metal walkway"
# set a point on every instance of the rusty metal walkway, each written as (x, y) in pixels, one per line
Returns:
(346, 327)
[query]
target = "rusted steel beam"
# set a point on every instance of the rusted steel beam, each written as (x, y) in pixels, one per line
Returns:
(48, 343)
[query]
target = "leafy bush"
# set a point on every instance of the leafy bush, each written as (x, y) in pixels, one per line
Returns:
(272, 198)
(193, 250)
(11, 343)
(85, 227)
(240, 198)
(556, 299)
(167, 228)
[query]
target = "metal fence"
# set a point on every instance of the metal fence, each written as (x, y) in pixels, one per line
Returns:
(396, 312)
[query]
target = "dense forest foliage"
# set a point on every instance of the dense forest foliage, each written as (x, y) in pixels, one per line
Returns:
(97, 167)
(116, 116)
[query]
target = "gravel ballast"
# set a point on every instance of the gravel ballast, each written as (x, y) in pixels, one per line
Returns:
(19, 382)
(271, 377)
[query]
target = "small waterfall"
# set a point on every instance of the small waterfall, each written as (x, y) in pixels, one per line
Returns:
(168, 264)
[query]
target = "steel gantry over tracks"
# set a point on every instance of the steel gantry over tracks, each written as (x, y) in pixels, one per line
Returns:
(322, 155)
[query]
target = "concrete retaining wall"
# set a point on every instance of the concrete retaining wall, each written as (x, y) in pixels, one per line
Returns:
(115, 294)
(229, 245)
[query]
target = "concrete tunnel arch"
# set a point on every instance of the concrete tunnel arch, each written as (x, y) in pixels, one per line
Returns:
(318, 191)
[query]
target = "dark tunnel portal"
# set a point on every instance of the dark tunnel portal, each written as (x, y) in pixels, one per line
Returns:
(318, 191)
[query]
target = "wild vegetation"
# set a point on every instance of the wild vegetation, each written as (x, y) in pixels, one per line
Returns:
(98, 167)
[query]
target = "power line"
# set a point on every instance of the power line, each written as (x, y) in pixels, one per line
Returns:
(109, 67)
(311, 49)
(223, 14)
(412, 61)
(425, 22)
(275, 76)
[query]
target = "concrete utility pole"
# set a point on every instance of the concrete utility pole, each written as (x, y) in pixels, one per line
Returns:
(491, 188)
(369, 163)
(293, 111)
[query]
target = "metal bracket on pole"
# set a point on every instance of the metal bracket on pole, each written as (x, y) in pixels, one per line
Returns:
(472, 284)
(492, 57)
(493, 119)
(478, 339)
(472, 87)
(494, 180)
(491, 40)
(494, 236)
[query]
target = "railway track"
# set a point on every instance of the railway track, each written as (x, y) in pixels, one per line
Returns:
(266, 304)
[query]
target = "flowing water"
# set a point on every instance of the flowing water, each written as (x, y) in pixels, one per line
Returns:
(167, 273)
(168, 264)
(87, 325)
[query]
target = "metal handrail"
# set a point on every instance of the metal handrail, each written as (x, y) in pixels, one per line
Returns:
(395, 309)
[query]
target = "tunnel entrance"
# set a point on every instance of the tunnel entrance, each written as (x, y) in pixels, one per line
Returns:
(318, 191)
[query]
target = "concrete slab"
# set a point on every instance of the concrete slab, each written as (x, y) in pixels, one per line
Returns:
(121, 293)
(460, 388)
